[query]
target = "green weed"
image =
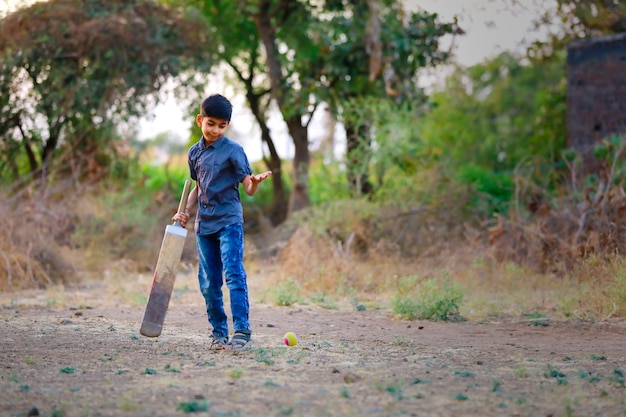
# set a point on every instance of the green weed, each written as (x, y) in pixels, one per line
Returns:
(235, 373)
(617, 377)
(394, 389)
(286, 293)
(324, 301)
(428, 300)
(169, 368)
(193, 407)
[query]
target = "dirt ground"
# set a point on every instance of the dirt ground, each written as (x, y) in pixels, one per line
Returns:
(78, 352)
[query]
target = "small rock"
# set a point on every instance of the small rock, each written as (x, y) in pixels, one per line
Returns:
(351, 378)
(33, 412)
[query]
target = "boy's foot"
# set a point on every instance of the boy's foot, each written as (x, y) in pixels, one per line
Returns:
(219, 343)
(239, 341)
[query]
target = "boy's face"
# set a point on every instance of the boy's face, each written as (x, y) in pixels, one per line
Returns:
(212, 128)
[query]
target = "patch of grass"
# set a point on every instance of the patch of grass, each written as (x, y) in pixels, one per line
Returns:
(402, 342)
(285, 411)
(394, 389)
(236, 373)
(464, 374)
(286, 293)
(421, 381)
(521, 372)
(193, 407)
(534, 315)
(325, 301)
(617, 377)
(263, 358)
(169, 368)
(67, 370)
(149, 371)
(496, 386)
(602, 296)
(561, 378)
(428, 300)
(344, 392)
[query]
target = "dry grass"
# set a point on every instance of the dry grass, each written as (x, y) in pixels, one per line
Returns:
(35, 226)
(358, 261)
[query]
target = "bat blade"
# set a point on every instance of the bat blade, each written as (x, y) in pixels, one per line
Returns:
(165, 275)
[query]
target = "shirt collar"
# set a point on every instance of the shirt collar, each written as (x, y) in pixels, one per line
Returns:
(214, 145)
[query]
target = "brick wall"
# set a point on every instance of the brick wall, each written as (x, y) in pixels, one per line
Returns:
(596, 92)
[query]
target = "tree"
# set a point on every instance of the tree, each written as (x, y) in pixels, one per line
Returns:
(70, 70)
(240, 49)
(375, 50)
(576, 19)
(316, 52)
(288, 87)
(497, 120)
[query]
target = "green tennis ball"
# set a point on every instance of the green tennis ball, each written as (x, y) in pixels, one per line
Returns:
(290, 339)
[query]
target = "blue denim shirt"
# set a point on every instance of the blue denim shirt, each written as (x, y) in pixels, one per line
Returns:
(219, 169)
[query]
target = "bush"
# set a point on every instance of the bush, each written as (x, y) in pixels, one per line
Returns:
(430, 300)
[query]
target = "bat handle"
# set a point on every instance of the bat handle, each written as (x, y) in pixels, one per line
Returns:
(183, 198)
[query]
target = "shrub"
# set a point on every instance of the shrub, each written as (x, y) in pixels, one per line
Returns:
(430, 300)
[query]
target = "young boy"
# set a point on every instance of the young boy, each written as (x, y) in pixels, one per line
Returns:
(218, 165)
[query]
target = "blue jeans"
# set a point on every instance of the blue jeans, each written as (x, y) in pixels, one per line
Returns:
(221, 255)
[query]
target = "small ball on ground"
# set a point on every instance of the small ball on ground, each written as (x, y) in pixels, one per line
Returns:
(290, 339)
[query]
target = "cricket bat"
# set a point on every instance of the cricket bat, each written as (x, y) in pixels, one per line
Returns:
(165, 273)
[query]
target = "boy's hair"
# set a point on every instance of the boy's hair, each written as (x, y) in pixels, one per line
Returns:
(217, 106)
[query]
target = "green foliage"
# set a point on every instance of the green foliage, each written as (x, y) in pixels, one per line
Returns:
(428, 300)
(80, 68)
(156, 178)
(491, 191)
(327, 183)
(286, 293)
(496, 121)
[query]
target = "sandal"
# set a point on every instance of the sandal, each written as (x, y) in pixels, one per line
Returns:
(239, 341)
(218, 343)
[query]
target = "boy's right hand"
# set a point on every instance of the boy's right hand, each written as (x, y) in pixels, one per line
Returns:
(181, 217)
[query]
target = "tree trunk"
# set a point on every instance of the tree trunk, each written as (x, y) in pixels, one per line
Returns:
(300, 194)
(299, 198)
(280, 208)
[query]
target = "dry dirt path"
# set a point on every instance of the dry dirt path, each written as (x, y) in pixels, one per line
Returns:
(89, 360)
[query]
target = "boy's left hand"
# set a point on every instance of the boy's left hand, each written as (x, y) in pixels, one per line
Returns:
(260, 177)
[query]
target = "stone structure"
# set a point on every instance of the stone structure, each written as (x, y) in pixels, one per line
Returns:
(596, 92)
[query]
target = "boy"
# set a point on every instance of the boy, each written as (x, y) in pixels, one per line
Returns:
(218, 165)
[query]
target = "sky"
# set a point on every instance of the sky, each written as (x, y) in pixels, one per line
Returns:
(491, 26)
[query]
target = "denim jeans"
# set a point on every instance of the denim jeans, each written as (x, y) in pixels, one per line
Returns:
(221, 255)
